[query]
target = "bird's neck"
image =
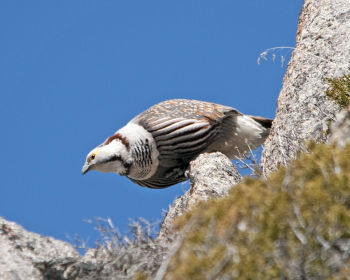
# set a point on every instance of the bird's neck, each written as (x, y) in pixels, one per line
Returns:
(143, 150)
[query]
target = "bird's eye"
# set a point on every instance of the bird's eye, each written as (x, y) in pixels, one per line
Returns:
(92, 157)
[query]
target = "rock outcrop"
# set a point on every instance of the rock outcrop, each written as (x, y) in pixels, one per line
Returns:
(23, 252)
(211, 175)
(304, 111)
(340, 129)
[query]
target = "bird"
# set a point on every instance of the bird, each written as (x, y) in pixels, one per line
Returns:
(155, 148)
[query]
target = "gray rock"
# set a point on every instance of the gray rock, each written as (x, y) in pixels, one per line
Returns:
(340, 128)
(21, 252)
(211, 175)
(303, 110)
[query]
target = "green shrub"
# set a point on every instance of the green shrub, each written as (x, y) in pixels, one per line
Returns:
(293, 225)
(339, 90)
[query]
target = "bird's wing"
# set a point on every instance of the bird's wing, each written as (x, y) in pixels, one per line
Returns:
(182, 139)
(184, 128)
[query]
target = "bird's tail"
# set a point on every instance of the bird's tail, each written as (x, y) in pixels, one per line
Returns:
(244, 133)
(253, 129)
(266, 123)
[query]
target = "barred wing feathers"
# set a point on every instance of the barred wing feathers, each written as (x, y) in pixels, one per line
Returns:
(182, 130)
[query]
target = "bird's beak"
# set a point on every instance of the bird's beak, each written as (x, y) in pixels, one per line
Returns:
(85, 168)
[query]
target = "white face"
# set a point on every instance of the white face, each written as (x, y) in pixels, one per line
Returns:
(113, 157)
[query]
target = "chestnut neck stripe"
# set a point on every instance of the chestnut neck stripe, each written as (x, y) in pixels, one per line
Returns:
(119, 137)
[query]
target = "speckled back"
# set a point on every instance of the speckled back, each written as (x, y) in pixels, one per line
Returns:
(184, 108)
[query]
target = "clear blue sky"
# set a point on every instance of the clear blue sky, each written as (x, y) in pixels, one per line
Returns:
(73, 72)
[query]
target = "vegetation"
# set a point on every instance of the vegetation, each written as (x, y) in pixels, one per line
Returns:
(293, 225)
(339, 90)
(136, 255)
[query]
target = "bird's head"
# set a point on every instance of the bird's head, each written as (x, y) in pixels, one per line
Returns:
(112, 156)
